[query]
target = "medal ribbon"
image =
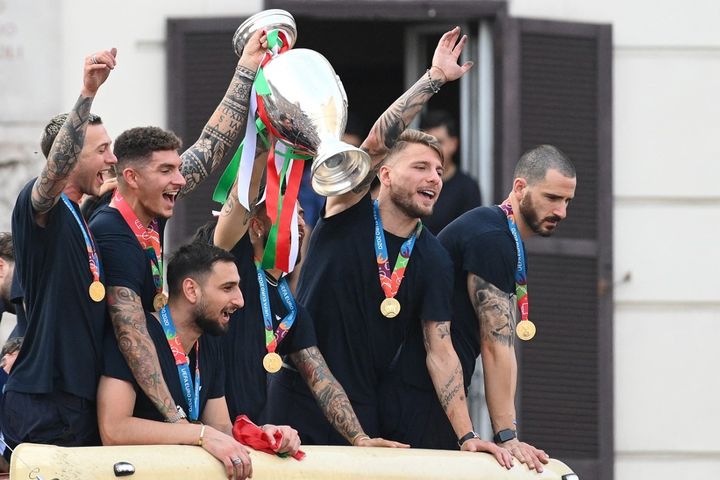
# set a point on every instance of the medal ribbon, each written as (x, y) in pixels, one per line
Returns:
(283, 184)
(273, 338)
(244, 157)
(149, 239)
(390, 282)
(93, 259)
(521, 289)
(192, 395)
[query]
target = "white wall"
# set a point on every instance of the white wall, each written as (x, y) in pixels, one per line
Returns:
(667, 217)
(135, 94)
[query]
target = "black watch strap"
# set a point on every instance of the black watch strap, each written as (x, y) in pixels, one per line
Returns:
(467, 437)
(504, 435)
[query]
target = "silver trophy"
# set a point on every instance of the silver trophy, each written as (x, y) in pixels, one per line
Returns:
(308, 107)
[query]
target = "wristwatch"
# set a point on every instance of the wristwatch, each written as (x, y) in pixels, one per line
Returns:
(504, 435)
(467, 437)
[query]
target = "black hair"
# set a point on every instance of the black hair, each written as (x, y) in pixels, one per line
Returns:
(439, 118)
(194, 260)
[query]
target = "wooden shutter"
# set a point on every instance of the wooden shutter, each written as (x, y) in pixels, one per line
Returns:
(554, 80)
(201, 62)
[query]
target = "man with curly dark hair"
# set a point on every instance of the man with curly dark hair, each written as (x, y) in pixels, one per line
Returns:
(151, 176)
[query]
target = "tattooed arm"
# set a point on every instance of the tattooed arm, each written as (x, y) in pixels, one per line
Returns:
(228, 120)
(447, 377)
(234, 219)
(68, 144)
(495, 312)
(400, 114)
(130, 326)
(333, 400)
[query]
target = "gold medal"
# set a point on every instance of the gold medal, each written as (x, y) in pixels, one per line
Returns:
(97, 291)
(159, 301)
(525, 330)
(390, 307)
(272, 362)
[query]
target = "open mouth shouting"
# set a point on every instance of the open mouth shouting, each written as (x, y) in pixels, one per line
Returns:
(170, 196)
(428, 194)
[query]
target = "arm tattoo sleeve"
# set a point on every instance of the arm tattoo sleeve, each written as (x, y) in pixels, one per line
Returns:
(328, 392)
(129, 323)
(391, 124)
(221, 131)
(494, 310)
(63, 157)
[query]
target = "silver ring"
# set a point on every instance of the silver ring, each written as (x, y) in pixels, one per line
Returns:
(236, 461)
(93, 60)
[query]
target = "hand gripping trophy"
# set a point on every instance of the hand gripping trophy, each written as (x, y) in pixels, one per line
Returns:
(299, 109)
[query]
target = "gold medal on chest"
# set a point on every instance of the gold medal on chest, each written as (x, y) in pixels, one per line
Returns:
(96, 291)
(272, 362)
(390, 307)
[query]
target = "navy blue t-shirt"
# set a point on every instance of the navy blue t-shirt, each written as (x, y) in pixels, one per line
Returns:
(63, 342)
(212, 370)
(478, 242)
(459, 195)
(126, 264)
(16, 297)
(244, 344)
(340, 287)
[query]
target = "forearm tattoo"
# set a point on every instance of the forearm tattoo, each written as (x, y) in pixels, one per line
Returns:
(62, 158)
(494, 310)
(328, 392)
(222, 130)
(233, 200)
(451, 387)
(129, 324)
(391, 124)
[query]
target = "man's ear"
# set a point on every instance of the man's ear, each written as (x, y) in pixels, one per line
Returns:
(256, 228)
(129, 176)
(4, 267)
(520, 185)
(384, 174)
(191, 290)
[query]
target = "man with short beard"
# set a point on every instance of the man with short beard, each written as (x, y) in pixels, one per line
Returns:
(486, 246)
(50, 395)
(270, 307)
(151, 175)
(204, 290)
(373, 276)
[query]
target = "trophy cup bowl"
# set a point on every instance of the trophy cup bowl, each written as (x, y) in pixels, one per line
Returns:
(274, 19)
(308, 109)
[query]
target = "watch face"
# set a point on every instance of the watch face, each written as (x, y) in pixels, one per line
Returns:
(504, 435)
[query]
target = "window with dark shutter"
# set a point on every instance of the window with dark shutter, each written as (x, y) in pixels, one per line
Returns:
(201, 62)
(555, 82)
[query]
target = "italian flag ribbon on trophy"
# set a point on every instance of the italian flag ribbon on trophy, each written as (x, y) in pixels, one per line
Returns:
(284, 174)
